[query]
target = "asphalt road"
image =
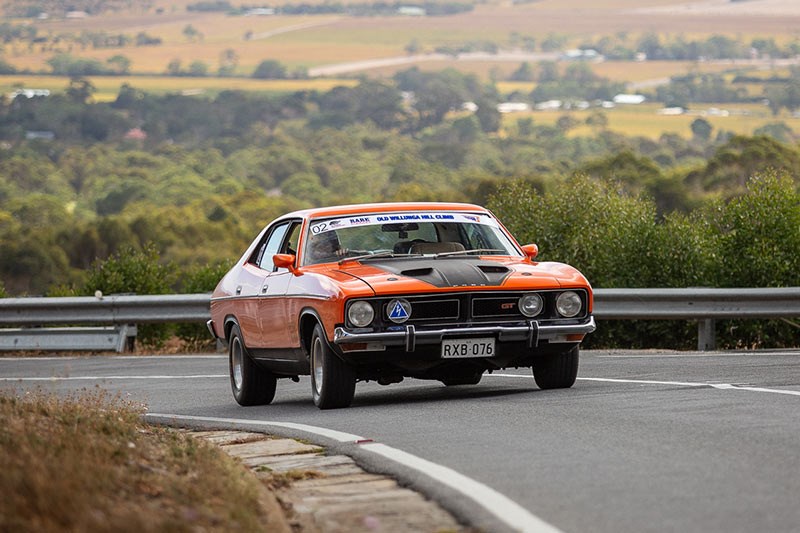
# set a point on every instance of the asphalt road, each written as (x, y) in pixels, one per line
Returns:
(643, 441)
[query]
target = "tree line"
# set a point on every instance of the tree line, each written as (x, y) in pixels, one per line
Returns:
(194, 178)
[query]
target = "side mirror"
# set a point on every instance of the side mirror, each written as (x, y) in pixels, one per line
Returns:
(531, 250)
(285, 261)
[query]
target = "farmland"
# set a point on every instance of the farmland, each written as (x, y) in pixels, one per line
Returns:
(314, 40)
(195, 47)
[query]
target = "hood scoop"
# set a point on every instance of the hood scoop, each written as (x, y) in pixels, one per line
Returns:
(447, 272)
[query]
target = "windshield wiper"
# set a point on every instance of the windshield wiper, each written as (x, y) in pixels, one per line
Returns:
(377, 255)
(474, 251)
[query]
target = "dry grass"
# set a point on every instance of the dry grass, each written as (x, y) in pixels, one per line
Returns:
(88, 463)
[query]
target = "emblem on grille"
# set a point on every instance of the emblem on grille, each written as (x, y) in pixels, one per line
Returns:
(398, 311)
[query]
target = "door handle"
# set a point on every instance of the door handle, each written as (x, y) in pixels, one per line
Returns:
(264, 289)
(239, 290)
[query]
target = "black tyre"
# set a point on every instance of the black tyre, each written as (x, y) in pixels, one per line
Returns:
(251, 384)
(557, 371)
(333, 382)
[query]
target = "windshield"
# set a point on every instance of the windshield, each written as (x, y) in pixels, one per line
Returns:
(440, 234)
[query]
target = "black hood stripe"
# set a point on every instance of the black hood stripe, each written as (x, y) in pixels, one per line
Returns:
(447, 272)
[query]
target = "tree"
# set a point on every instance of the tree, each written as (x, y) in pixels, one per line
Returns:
(413, 47)
(80, 90)
(732, 164)
(174, 67)
(191, 33)
(701, 129)
(548, 71)
(198, 68)
(270, 69)
(228, 61)
(566, 122)
(523, 73)
(597, 119)
(120, 64)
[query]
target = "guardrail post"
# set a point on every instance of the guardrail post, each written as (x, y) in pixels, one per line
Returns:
(706, 337)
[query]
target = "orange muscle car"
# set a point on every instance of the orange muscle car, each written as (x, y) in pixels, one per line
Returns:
(381, 292)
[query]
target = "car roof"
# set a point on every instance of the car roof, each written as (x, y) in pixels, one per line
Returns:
(388, 207)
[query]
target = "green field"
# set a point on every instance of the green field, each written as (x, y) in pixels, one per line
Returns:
(644, 120)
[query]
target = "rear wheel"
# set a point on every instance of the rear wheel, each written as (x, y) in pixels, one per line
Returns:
(251, 384)
(333, 382)
(557, 371)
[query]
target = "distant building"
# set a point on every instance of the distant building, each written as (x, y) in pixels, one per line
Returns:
(259, 12)
(411, 11)
(548, 105)
(580, 54)
(629, 99)
(513, 107)
(671, 111)
(29, 93)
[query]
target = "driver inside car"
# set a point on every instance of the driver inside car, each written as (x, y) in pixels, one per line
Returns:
(325, 247)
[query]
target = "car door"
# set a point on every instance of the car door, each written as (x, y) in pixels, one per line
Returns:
(253, 284)
(278, 327)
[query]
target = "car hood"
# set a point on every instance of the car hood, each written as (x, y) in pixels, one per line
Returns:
(426, 274)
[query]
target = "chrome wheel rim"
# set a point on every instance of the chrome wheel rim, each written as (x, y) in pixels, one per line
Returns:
(236, 363)
(316, 362)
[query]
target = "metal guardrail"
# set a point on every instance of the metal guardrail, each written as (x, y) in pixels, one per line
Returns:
(120, 312)
(150, 309)
(701, 304)
(95, 338)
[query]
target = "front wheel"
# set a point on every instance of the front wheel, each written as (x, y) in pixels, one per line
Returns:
(251, 384)
(333, 382)
(557, 371)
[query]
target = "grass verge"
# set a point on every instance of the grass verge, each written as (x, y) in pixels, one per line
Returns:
(88, 463)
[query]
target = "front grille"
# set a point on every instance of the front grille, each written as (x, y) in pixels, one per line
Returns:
(469, 307)
(506, 306)
(422, 310)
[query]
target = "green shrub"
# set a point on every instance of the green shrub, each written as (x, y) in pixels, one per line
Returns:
(759, 246)
(199, 279)
(132, 271)
(617, 240)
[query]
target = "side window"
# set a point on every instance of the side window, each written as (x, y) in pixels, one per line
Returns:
(293, 238)
(271, 246)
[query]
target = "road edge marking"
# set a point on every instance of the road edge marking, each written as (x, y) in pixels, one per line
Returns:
(500, 507)
(718, 386)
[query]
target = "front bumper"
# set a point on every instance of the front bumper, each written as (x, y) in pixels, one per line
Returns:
(532, 333)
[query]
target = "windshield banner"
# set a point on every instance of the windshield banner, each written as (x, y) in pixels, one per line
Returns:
(399, 218)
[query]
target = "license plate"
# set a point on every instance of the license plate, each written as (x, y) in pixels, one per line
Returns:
(458, 348)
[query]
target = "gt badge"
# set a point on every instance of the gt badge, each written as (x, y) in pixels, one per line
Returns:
(398, 311)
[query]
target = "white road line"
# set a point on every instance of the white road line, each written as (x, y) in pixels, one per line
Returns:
(100, 378)
(502, 508)
(338, 436)
(719, 386)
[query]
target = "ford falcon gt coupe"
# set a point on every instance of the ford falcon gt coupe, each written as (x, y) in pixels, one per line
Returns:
(381, 292)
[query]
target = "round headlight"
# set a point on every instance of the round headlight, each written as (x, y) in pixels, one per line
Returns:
(568, 304)
(531, 305)
(360, 314)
